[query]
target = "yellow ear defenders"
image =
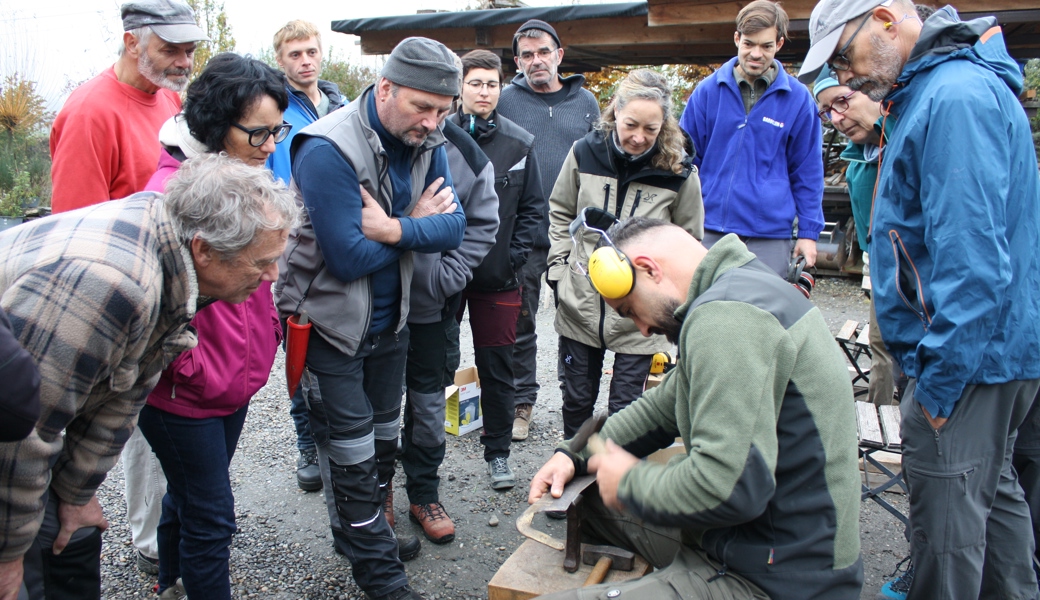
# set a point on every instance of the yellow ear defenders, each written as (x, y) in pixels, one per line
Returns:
(608, 270)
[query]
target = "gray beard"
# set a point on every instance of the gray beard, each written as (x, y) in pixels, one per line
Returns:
(148, 69)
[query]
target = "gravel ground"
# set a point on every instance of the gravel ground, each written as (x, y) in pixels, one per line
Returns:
(283, 549)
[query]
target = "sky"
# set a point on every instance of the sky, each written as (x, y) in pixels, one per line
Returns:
(59, 43)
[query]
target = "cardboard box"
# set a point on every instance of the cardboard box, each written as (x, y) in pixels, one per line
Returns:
(463, 413)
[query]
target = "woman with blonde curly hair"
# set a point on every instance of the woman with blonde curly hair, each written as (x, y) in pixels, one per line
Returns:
(637, 162)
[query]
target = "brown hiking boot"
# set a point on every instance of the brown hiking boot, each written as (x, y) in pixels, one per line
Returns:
(522, 422)
(388, 504)
(435, 522)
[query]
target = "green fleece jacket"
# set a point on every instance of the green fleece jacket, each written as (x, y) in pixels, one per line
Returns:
(769, 485)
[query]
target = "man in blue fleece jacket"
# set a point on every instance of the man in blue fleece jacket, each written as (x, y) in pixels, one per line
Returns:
(368, 175)
(758, 144)
(956, 277)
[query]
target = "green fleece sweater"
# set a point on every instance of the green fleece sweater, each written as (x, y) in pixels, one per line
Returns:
(761, 397)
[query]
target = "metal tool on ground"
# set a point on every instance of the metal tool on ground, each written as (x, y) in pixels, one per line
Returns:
(606, 558)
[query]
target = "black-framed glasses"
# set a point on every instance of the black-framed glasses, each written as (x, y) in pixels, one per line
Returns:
(476, 85)
(258, 135)
(841, 62)
(839, 105)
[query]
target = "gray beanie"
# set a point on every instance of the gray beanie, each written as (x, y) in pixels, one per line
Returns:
(423, 64)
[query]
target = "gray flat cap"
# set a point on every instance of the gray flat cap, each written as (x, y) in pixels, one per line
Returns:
(171, 20)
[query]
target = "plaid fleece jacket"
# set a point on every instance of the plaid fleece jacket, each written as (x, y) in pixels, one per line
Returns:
(102, 298)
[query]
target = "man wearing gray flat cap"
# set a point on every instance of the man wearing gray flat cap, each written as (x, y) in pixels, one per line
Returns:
(954, 230)
(374, 179)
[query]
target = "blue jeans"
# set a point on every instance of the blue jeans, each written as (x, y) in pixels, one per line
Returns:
(301, 418)
(355, 409)
(198, 513)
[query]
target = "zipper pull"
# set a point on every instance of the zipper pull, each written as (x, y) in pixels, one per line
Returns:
(550, 112)
(173, 392)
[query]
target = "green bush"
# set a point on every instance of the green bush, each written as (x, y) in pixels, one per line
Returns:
(25, 164)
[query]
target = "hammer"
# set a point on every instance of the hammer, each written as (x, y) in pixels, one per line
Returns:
(588, 435)
(606, 557)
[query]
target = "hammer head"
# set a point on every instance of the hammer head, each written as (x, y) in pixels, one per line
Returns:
(589, 427)
(622, 560)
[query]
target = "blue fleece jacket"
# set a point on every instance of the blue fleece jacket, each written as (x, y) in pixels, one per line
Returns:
(757, 170)
(954, 238)
(331, 189)
(300, 114)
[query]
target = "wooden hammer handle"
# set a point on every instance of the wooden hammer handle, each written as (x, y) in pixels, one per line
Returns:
(596, 444)
(599, 572)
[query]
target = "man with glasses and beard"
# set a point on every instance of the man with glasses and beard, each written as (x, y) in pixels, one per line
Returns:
(105, 144)
(105, 139)
(956, 224)
(765, 501)
(557, 111)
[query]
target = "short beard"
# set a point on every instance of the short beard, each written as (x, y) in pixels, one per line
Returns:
(159, 78)
(886, 65)
(666, 323)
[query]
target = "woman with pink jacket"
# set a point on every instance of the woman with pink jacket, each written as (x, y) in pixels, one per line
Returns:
(195, 414)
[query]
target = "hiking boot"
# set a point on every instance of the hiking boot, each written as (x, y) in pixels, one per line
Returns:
(388, 505)
(408, 548)
(404, 593)
(898, 588)
(522, 422)
(502, 477)
(435, 522)
(174, 592)
(308, 474)
(146, 564)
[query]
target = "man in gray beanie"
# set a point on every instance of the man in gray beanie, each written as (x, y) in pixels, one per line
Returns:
(376, 173)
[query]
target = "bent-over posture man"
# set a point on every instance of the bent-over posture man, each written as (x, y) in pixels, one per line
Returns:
(102, 298)
(765, 503)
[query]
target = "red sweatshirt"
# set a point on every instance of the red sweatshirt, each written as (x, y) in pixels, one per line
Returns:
(105, 141)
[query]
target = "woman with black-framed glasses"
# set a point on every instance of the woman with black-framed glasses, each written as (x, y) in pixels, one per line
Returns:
(195, 414)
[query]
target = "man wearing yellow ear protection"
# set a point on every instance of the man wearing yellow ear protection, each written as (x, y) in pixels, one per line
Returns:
(765, 504)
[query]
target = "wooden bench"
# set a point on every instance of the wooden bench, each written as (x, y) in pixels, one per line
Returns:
(878, 431)
(854, 341)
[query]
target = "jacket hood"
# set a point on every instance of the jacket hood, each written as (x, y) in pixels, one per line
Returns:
(174, 133)
(945, 37)
(332, 91)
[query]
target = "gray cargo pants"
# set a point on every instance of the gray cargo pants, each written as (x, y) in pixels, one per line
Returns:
(680, 572)
(971, 534)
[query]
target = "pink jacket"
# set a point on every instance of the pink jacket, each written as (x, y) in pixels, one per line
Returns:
(237, 345)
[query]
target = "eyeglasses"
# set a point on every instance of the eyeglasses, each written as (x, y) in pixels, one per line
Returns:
(841, 62)
(258, 136)
(544, 54)
(839, 105)
(476, 85)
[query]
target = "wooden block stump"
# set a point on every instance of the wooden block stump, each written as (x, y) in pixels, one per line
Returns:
(535, 569)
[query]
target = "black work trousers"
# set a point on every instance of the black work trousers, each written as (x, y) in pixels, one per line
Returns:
(581, 368)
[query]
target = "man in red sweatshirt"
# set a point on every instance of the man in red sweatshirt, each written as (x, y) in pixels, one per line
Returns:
(105, 139)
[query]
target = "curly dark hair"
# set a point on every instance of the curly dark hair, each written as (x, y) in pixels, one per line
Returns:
(226, 89)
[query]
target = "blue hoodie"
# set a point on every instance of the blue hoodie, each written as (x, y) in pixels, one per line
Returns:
(300, 113)
(758, 170)
(954, 238)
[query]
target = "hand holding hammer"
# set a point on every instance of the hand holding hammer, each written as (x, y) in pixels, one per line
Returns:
(609, 461)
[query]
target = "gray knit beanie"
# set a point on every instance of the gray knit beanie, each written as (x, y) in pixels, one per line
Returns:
(423, 64)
